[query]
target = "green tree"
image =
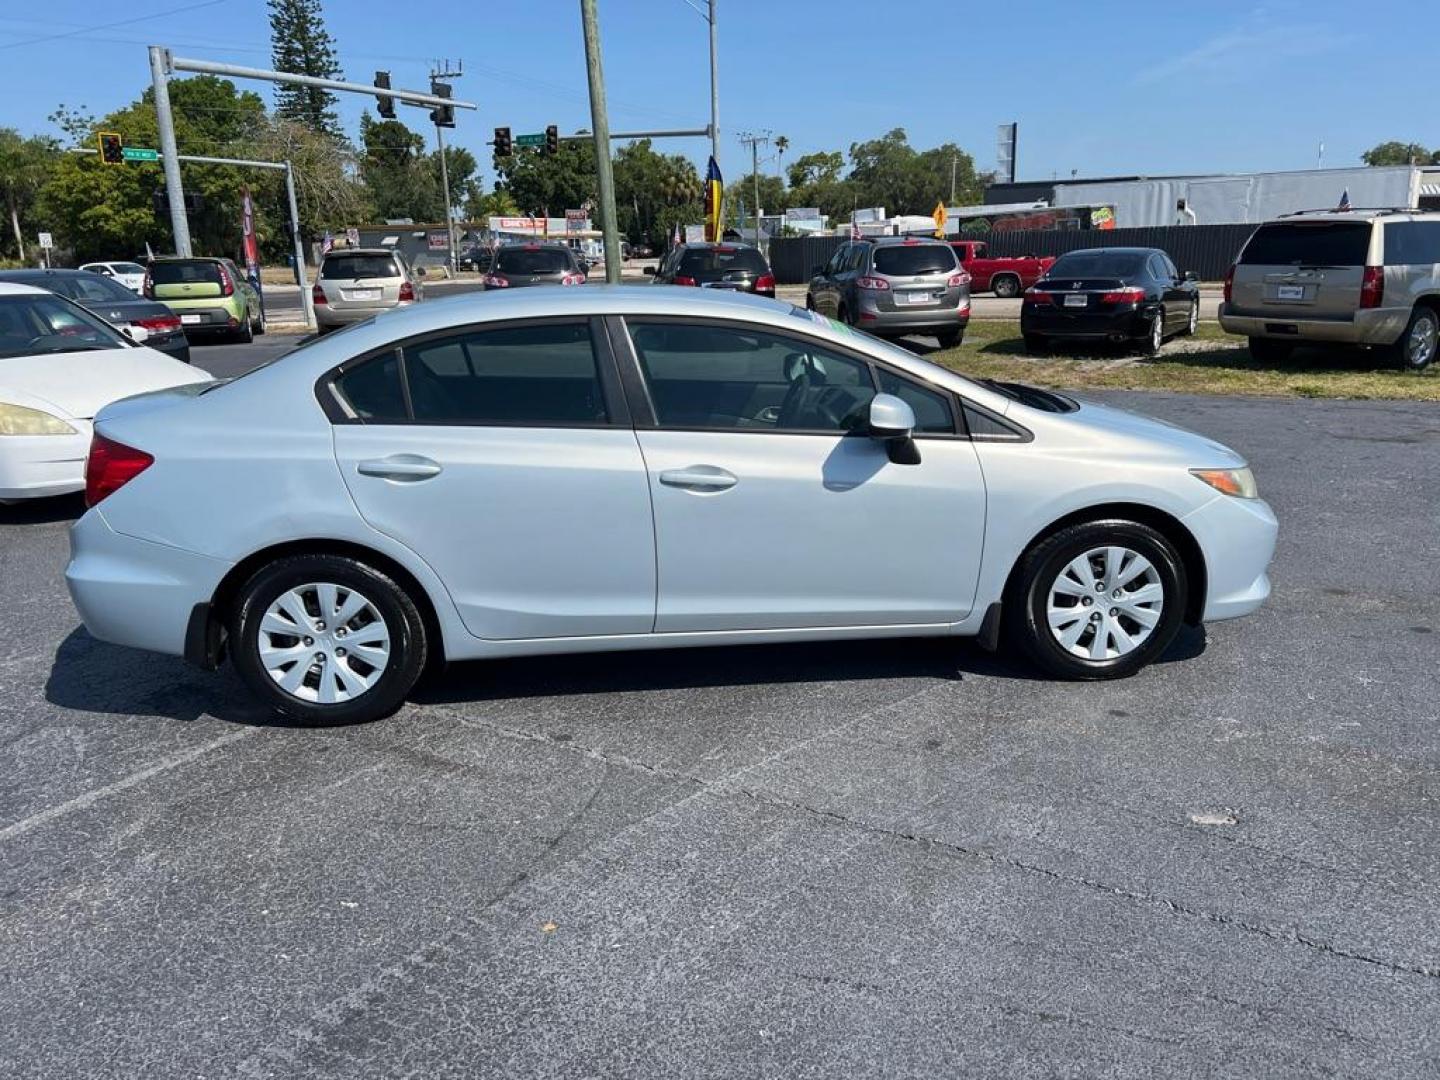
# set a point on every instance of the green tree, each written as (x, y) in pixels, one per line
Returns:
(397, 172)
(327, 192)
(818, 168)
(888, 172)
(460, 167)
(1398, 153)
(24, 166)
(543, 183)
(300, 45)
(948, 160)
(654, 191)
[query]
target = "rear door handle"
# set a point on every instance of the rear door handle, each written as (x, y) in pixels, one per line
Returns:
(404, 467)
(698, 478)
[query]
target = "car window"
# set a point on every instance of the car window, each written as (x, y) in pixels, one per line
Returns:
(717, 376)
(933, 414)
(127, 268)
(35, 324)
(355, 267)
(532, 261)
(1101, 264)
(902, 260)
(373, 390)
(838, 260)
(185, 273)
(718, 260)
(859, 254)
(1315, 243)
(540, 374)
(1157, 269)
(1412, 243)
(92, 288)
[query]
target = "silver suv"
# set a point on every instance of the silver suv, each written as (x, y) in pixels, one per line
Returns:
(895, 285)
(1353, 277)
(356, 283)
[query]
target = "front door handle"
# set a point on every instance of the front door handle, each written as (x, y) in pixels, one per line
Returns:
(698, 478)
(403, 467)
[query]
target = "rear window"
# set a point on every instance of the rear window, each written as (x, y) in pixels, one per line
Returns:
(1317, 243)
(185, 273)
(353, 267)
(127, 268)
(1101, 264)
(538, 261)
(719, 260)
(903, 260)
(89, 286)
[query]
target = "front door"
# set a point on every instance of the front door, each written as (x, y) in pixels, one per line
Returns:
(492, 454)
(770, 513)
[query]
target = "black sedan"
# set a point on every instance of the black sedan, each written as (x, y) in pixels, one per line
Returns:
(1123, 295)
(146, 321)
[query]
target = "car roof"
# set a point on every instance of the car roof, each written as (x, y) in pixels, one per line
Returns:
(1114, 251)
(701, 245)
(16, 288)
(894, 241)
(190, 258)
(1362, 213)
(360, 251)
(33, 274)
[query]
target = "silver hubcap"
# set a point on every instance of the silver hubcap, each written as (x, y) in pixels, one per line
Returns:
(324, 643)
(1157, 332)
(1105, 603)
(1420, 348)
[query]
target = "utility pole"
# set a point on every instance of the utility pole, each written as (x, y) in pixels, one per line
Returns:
(754, 141)
(714, 87)
(169, 153)
(600, 124)
(444, 74)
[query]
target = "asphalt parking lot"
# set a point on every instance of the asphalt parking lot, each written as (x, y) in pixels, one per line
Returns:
(893, 858)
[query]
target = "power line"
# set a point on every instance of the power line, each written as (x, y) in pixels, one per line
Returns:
(109, 25)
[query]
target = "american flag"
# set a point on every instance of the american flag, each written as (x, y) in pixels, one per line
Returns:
(1344, 200)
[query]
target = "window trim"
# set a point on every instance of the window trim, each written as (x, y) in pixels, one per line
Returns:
(341, 413)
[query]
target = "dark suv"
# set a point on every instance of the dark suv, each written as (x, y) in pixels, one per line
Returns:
(517, 265)
(893, 286)
(738, 267)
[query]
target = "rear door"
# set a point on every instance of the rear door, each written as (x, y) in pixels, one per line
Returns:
(502, 455)
(1302, 269)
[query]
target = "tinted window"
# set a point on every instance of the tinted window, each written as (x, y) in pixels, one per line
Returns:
(373, 389)
(838, 260)
(32, 325)
(708, 375)
(1309, 244)
(859, 255)
(532, 261)
(1412, 243)
(1104, 264)
(127, 268)
(705, 262)
(349, 267)
(185, 273)
(931, 407)
(901, 260)
(88, 287)
(541, 374)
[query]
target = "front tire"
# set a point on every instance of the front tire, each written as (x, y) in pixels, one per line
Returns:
(1416, 348)
(327, 639)
(1097, 600)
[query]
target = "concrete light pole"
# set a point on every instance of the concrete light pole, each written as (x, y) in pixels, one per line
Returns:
(600, 125)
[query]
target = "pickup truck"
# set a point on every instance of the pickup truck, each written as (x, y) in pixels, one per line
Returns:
(1003, 277)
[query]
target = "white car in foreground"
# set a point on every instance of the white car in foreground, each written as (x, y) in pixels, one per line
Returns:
(565, 470)
(59, 365)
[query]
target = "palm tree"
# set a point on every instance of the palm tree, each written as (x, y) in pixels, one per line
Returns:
(781, 145)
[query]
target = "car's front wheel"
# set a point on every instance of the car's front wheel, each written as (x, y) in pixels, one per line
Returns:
(1006, 286)
(1097, 600)
(1416, 347)
(326, 639)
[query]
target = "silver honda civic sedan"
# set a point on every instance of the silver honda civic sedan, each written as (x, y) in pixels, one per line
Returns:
(561, 471)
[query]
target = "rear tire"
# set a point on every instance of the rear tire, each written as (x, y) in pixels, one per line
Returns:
(1416, 348)
(246, 334)
(950, 338)
(1037, 613)
(306, 582)
(1005, 286)
(1155, 341)
(259, 325)
(1270, 351)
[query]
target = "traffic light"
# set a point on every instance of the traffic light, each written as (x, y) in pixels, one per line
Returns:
(112, 148)
(502, 142)
(552, 140)
(386, 103)
(444, 116)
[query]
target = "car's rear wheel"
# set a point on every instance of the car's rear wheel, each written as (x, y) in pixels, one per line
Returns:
(1154, 341)
(1006, 286)
(1270, 351)
(1416, 348)
(326, 639)
(1097, 600)
(950, 338)
(259, 324)
(246, 333)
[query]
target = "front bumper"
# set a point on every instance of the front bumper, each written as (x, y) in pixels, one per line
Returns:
(1237, 538)
(1375, 326)
(35, 466)
(1055, 321)
(135, 592)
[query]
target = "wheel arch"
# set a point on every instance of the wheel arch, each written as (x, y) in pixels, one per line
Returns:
(1008, 274)
(1169, 526)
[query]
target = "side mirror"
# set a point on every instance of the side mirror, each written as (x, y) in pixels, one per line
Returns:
(892, 422)
(648, 271)
(1191, 275)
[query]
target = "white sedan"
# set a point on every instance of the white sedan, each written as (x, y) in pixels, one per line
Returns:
(572, 470)
(129, 274)
(59, 365)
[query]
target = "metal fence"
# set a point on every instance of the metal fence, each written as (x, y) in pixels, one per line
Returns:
(1208, 250)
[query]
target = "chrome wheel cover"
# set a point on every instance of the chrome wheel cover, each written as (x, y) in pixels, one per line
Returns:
(1157, 332)
(1105, 604)
(1420, 345)
(1194, 316)
(323, 643)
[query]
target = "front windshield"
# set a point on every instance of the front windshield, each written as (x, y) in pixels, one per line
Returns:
(33, 325)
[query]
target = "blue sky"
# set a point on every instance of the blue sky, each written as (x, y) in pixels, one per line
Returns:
(1097, 86)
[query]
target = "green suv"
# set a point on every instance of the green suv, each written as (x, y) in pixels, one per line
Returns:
(211, 296)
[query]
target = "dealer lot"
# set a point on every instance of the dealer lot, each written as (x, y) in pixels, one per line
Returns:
(880, 857)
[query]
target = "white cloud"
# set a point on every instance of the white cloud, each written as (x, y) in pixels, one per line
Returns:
(1251, 49)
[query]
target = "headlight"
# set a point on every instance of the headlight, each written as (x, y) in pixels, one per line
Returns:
(18, 420)
(1237, 482)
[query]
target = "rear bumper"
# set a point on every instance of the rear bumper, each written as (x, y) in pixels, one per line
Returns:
(330, 315)
(1378, 326)
(922, 320)
(200, 320)
(134, 592)
(1237, 537)
(36, 466)
(1132, 322)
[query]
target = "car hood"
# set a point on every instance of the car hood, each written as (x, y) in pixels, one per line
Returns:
(79, 384)
(1150, 437)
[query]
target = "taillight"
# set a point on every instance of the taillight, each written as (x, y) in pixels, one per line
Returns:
(110, 467)
(407, 291)
(317, 295)
(765, 283)
(573, 279)
(1039, 296)
(492, 282)
(158, 324)
(1123, 296)
(874, 284)
(680, 280)
(1372, 287)
(227, 287)
(1229, 283)
(955, 280)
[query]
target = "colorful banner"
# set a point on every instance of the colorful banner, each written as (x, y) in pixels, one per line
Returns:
(714, 200)
(247, 233)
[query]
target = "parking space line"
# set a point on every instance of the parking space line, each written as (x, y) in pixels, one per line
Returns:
(90, 798)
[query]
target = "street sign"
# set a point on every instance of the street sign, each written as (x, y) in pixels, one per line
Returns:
(47, 241)
(137, 153)
(538, 139)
